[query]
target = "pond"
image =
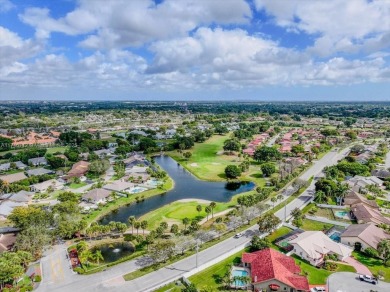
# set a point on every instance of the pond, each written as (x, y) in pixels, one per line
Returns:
(114, 251)
(186, 186)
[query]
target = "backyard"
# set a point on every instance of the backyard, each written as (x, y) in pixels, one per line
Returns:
(373, 264)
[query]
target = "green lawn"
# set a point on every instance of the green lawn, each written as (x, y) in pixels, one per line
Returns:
(76, 186)
(311, 225)
(56, 149)
(211, 277)
(206, 164)
(175, 212)
(374, 265)
(172, 287)
(317, 275)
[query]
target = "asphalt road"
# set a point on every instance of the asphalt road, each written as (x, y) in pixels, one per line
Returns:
(111, 280)
(349, 282)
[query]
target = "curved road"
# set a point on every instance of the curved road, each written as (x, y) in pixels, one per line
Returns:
(57, 275)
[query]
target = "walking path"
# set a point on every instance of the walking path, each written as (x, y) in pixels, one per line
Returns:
(326, 220)
(360, 268)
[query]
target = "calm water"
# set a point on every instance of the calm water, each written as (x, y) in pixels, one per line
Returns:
(115, 251)
(186, 186)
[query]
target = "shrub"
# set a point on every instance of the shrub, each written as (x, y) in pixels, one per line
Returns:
(330, 266)
(37, 278)
(371, 252)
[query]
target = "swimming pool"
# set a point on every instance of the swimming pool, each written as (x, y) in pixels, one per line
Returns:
(239, 273)
(137, 190)
(341, 214)
(335, 236)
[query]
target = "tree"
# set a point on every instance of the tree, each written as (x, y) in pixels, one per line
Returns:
(34, 240)
(187, 155)
(320, 197)
(232, 171)
(55, 162)
(68, 196)
(137, 225)
(199, 209)
(232, 145)
(146, 143)
(208, 211)
(384, 249)
(258, 243)
(358, 149)
(190, 288)
(131, 221)
(297, 149)
(186, 221)
(265, 154)
(212, 206)
(161, 250)
(99, 166)
(24, 217)
(164, 225)
(97, 256)
(144, 225)
(268, 222)
(268, 168)
(5, 143)
(174, 228)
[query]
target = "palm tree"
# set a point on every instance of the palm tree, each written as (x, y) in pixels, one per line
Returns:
(279, 197)
(212, 206)
(144, 225)
(320, 196)
(341, 191)
(97, 256)
(81, 246)
(199, 208)
(208, 211)
(186, 221)
(137, 225)
(131, 221)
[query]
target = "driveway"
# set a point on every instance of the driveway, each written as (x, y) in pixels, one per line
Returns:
(349, 282)
(360, 268)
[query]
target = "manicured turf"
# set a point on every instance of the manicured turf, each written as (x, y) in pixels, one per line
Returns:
(316, 275)
(175, 212)
(311, 225)
(207, 164)
(76, 186)
(374, 265)
(56, 149)
(211, 277)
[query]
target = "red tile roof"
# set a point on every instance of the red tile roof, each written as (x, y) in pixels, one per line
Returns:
(270, 264)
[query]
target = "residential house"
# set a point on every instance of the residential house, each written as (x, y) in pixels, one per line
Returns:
(96, 196)
(363, 235)
(360, 183)
(104, 152)
(313, 246)
(271, 270)
(364, 213)
(44, 186)
(79, 169)
(381, 173)
(352, 198)
(37, 161)
(119, 186)
(21, 196)
(7, 207)
(7, 166)
(15, 177)
(139, 177)
(39, 171)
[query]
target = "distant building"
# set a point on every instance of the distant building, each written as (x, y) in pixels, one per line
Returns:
(79, 169)
(44, 186)
(11, 178)
(39, 171)
(37, 161)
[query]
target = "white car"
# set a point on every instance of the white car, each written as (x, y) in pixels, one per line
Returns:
(238, 235)
(318, 289)
(367, 278)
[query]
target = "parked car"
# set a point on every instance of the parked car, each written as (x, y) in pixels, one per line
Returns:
(368, 279)
(317, 289)
(238, 235)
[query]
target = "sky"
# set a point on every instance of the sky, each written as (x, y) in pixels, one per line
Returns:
(195, 50)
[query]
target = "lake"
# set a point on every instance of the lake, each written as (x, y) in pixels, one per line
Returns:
(186, 186)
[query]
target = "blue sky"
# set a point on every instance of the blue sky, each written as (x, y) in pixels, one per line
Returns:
(195, 49)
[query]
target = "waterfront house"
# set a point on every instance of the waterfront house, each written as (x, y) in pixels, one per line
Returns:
(96, 196)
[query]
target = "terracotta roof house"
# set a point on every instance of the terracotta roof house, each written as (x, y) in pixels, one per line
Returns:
(96, 196)
(79, 169)
(11, 178)
(367, 235)
(272, 269)
(367, 214)
(353, 198)
(39, 171)
(37, 161)
(313, 246)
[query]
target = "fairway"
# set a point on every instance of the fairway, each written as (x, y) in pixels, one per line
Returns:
(208, 163)
(177, 211)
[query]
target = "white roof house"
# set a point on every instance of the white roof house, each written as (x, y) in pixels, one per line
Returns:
(119, 186)
(313, 246)
(43, 186)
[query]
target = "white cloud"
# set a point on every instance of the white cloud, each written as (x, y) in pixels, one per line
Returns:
(121, 23)
(6, 5)
(340, 26)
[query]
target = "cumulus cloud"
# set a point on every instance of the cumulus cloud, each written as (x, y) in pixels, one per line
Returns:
(341, 26)
(6, 5)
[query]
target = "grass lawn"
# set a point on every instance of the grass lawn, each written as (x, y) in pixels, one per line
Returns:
(211, 277)
(374, 265)
(76, 186)
(177, 211)
(316, 275)
(206, 164)
(172, 287)
(311, 225)
(56, 149)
